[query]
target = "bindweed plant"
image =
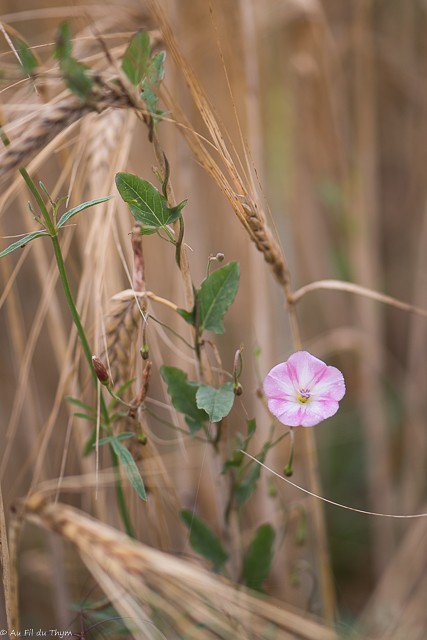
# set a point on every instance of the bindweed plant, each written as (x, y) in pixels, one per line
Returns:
(301, 392)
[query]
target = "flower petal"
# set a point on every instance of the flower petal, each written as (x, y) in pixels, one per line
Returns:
(330, 385)
(289, 413)
(278, 383)
(294, 414)
(305, 368)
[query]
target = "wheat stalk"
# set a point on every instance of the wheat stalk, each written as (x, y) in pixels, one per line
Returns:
(149, 585)
(54, 118)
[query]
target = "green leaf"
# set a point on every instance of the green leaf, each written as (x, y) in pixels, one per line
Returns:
(79, 403)
(183, 395)
(247, 487)
(258, 559)
(81, 207)
(136, 60)
(148, 206)
(75, 75)
(125, 435)
(22, 242)
(251, 428)
(155, 75)
(189, 316)
(216, 402)
(235, 460)
(63, 45)
(237, 456)
(132, 471)
(216, 294)
(84, 416)
(203, 540)
(213, 298)
(156, 71)
(28, 60)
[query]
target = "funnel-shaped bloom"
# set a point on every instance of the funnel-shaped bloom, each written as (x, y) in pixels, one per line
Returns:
(304, 390)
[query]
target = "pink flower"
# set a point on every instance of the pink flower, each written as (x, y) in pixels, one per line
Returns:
(303, 391)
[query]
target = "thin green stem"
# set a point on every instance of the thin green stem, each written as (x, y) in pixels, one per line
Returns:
(51, 229)
(288, 470)
(88, 353)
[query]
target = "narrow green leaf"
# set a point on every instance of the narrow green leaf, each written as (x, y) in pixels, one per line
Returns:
(81, 207)
(183, 395)
(79, 403)
(29, 62)
(84, 416)
(129, 464)
(204, 541)
(215, 295)
(137, 58)
(148, 206)
(125, 435)
(121, 436)
(216, 402)
(258, 559)
(63, 45)
(23, 241)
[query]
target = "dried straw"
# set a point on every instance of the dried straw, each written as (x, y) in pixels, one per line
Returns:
(55, 118)
(158, 590)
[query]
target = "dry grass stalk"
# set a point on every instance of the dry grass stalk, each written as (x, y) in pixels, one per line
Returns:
(244, 205)
(5, 564)
(397, 608)
(155, 588)
(367, 270)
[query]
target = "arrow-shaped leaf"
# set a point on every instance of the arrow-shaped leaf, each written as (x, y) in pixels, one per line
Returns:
(183, 395)
(213, 298)
(258, 559)
(22, 242)
(137, 57)
(216, 402)
(81, 207)
(204, 541)
(148, 206)
(216, 294)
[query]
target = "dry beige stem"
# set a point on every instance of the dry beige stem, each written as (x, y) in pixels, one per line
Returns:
(158, 590)
(233, 186)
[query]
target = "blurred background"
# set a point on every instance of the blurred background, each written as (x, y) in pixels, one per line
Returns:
(323, 105)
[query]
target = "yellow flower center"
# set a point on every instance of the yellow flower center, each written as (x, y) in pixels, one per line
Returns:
(303, 396)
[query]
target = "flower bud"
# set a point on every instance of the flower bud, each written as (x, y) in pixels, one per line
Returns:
(101, 371)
